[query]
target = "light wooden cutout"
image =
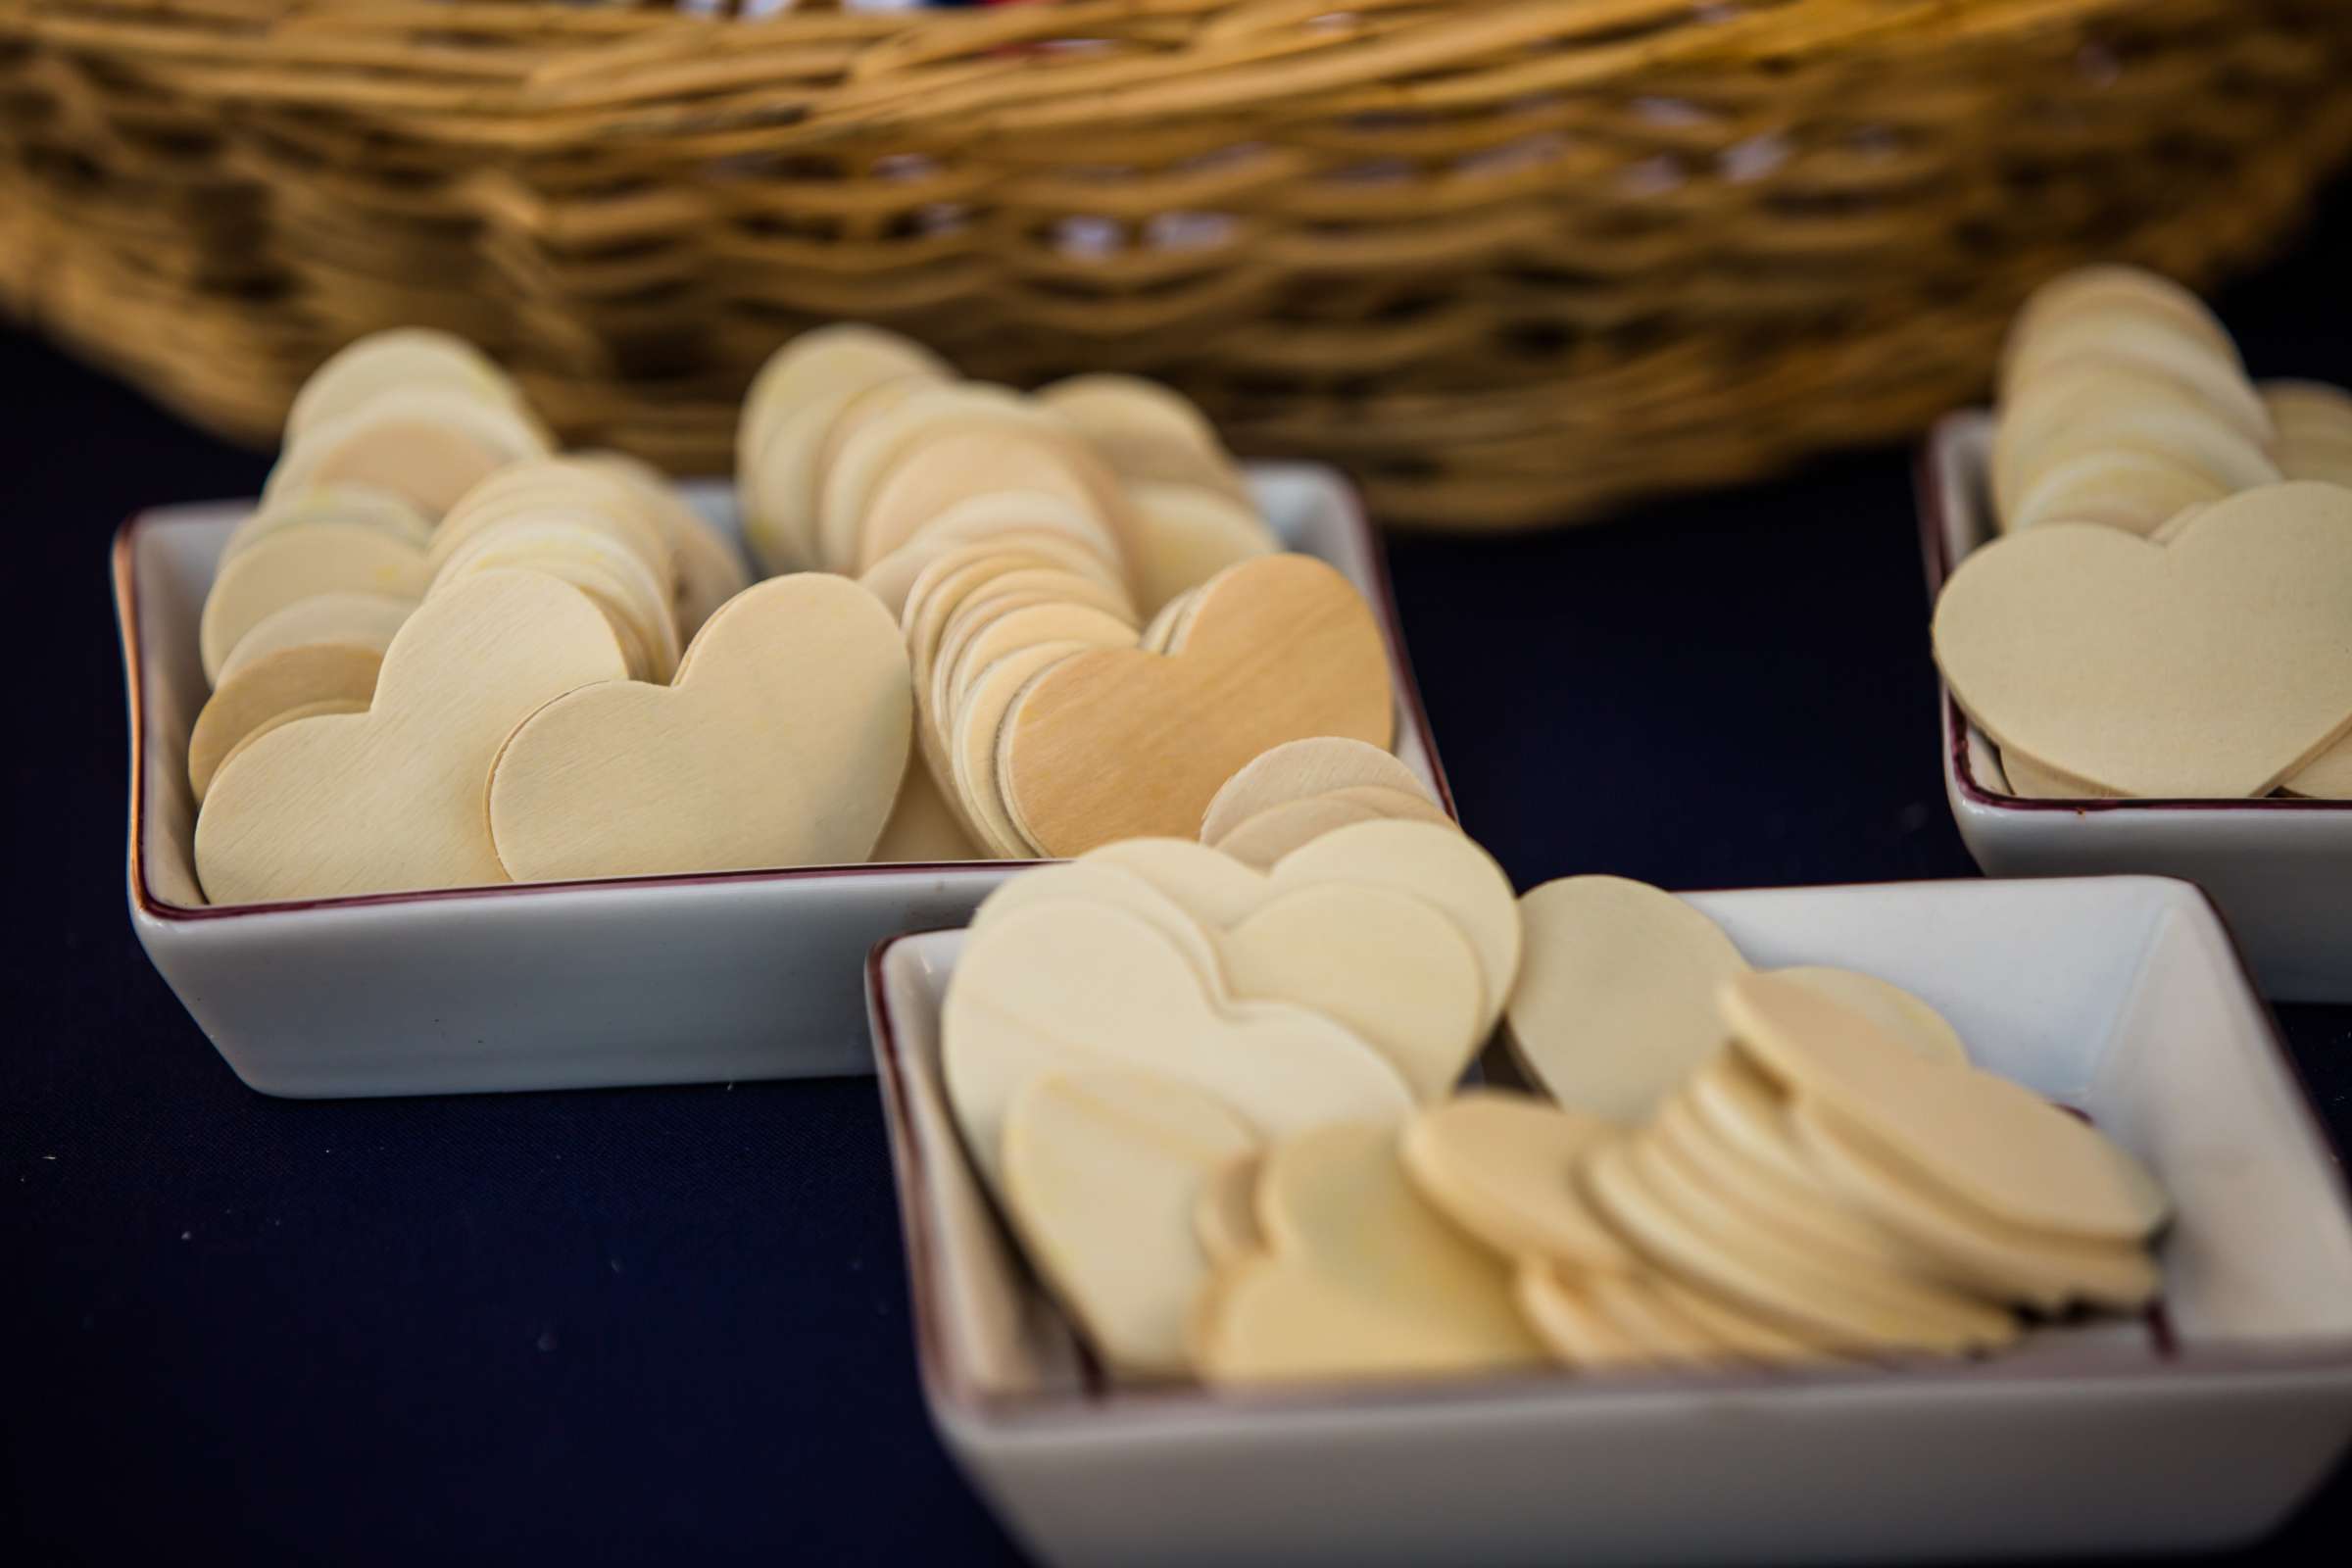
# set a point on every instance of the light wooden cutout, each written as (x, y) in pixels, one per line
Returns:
(1503, 1166)
(270, 685)
(1061, 987)
(1188, 533)
(1983, 1138)
(1121, 743)
(348, 619)
(782, 743)
(392, 799)
(1103, 1170)
(286, 567)
(2214, 666)
(1296, 770)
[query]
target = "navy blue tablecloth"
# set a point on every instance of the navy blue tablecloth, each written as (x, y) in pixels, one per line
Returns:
(672, 1324)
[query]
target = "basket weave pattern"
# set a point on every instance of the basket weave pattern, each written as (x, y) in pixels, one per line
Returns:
(1507, 263)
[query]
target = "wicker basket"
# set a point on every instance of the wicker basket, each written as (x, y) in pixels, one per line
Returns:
(1509, 263)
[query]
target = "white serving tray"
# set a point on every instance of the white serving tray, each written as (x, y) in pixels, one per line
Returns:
(2200, 1427)
(2280, 870)
(645, 980)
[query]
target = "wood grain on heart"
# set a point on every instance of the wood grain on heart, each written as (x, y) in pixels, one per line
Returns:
(1122, 742)
(391, 799)
(2211, 667)
(782, 743)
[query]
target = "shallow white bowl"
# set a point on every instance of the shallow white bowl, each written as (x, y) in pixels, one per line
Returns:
(2280, 870)
(646, 980)
(2200, 1427)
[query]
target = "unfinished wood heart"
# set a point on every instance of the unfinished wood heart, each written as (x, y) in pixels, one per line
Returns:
(1067, 986)
(1615, 1005)
(391, 799)
(269, 685)
(781, 744)
(2211, 667)
(428, 445)
(1503, 1167)
(403, 356)
(295, 564)
(332, 502)
(1120, 743)
(346, 619)
(1102, 1171)
(1296, 770)
(1186, 533)
(1439, 867)
(1362, 1277)
(1148, 433)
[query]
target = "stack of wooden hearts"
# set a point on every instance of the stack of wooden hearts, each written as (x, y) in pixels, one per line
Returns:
(1100, 627)
(1301, 790)
(1218, 1110)
(444, 658)
(2165, 615)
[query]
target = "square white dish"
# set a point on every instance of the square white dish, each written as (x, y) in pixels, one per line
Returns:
(2200, 1428)
(644, 980)
(2280, 870)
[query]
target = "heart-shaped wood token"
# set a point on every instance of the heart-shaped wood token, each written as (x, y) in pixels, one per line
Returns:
(392, 799)
(272, 684)
(781, 744)
(1362, 1278)
(287, 567)
(1437, 866)
(2214, 666)
(427, 445)
(347, 619)
(1297, 770)
(1102, 1171)
(1503, 1166)
(1065, 986)
(1615, 1005)
(1120, 743)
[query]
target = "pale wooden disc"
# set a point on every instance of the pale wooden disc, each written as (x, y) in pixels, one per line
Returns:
(1684, 1228)
(286, 567)
(2086, 385)
(2309, 408)
(963, 658)
(1387, 965)
(1060, 986)
(428, 446)
(782, 745)
(846, 482)
(2110, 286)
(354, 620)
(1503, 1166)
(1188, 533)
(1102, 1171)
(1262, 840)
(978, 725)
(1092, 884)
(1119, 743)
(269, 685)
(328, 705)
(391, 799)
(1562, 1313)
(1888, 1006)
(333, 503)
(2133, 492)
(1396, 805)
(1225, 1214)
(1984, 1139)
(2210, 668)
(1362, 1278)
(1746, 1113)
(2162, 346)
(2204, 441)
(711, 571)
(581, 553)
(1615, 1004)
(1965, 1246)
(950, 463)
(1297, 770)
(1042, 525)
(403, 356)
(576, 490)
(989, 601)
(1148, 432)
(788, 470)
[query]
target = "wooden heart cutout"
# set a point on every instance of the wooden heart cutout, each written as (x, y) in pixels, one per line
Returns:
(2211, 667)
(1362, 1276)
(391, 799)
(1064, 987)
(1121, 743)
(1102, 1172)
(782, 743)
(1437, 865)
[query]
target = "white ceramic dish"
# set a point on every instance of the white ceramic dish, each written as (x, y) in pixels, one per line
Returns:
(2280, 870)
(648, 980)
(2200, 1428)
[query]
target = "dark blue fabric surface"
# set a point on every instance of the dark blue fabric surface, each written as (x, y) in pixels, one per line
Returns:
(672, 1324)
